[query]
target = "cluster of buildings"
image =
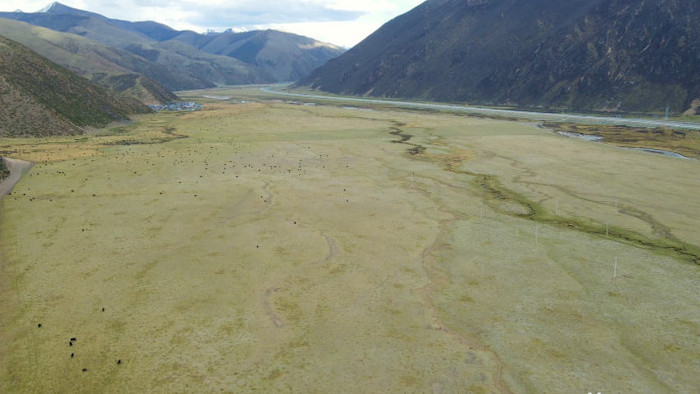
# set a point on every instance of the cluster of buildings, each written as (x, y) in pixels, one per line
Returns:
(176, 106)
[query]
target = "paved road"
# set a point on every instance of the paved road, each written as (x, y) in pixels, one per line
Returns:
(538, 116)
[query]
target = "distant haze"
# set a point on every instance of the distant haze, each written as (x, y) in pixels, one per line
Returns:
(340, 22)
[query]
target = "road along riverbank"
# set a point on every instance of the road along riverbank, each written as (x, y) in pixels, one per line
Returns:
(505, 113)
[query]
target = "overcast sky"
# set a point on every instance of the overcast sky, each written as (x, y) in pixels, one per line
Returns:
(340, 22)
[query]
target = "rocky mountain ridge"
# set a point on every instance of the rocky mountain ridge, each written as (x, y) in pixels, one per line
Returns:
(586, 55)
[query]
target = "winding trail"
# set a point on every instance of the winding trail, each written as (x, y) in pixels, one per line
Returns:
(17, 169)
(333, 250)
(270, 310)
(439, 279)
(267, 198)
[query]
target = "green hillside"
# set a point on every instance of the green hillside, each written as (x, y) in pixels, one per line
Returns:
(114, 68)
(39, 97)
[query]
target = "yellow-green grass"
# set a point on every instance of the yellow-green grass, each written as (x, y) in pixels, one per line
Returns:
(301, 248)
(685, 142)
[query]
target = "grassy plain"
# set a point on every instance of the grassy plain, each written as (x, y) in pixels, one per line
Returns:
(271, 246)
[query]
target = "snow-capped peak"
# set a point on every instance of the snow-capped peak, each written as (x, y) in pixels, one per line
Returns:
(49, 7)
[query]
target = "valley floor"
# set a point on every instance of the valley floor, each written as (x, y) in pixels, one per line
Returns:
(271, 246)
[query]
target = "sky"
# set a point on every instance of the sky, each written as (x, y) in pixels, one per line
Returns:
(340, 22)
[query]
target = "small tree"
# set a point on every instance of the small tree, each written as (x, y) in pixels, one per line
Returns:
(4, 171)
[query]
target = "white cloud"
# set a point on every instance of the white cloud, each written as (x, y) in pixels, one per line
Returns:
(250, 12)
(341, 22)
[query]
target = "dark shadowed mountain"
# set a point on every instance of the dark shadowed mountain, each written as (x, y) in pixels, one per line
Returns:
(591, 55)
(187, 60)
(40, 98)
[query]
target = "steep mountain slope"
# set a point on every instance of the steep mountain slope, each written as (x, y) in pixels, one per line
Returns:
(279, 56)
(622, 55)
(39, 97)
(116, 69)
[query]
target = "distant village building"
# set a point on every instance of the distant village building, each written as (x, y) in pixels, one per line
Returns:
(178, 106)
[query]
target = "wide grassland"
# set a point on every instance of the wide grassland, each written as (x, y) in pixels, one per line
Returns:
(269, 246)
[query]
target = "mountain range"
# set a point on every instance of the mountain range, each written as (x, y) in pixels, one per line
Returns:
(177, 60)
(585, 55)
(64, 69)
(581, 55)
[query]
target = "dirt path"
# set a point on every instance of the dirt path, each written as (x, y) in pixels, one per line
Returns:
(17, 169)
(333, 250)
